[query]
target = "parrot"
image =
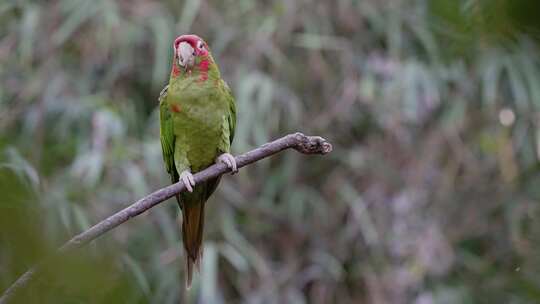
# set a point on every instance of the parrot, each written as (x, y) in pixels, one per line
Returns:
(197, 114)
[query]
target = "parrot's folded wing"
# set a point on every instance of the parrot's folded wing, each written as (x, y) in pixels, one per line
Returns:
(166, 131)
(231, 117)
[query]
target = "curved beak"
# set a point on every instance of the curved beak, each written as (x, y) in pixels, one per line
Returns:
(186, 55)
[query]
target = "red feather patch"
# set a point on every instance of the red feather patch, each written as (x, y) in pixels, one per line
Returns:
(175, 70)
(203, 67)
(176, 108)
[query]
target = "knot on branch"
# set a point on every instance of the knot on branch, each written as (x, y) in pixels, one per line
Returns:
(311, 144)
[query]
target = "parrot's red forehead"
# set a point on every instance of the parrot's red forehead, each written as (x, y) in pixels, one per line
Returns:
(191, 39)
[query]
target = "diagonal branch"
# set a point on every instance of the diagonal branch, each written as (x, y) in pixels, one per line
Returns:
(298, 141)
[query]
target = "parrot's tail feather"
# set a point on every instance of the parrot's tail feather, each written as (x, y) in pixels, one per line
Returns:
(189, 271)
(192, 232)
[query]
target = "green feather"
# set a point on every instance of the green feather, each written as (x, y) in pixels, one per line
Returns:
(197, 124)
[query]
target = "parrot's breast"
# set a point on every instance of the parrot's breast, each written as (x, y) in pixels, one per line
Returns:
(198, 121)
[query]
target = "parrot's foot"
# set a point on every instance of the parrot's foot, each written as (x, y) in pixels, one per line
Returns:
(187, 178)
(228, 160)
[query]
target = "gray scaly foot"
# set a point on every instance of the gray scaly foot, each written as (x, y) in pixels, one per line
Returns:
(187, 178)
(228, 160)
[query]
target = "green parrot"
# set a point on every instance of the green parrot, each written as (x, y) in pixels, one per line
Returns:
(197, 122)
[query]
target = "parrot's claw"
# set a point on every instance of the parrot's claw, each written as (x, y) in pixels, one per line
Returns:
(228, 160)
(187, 178)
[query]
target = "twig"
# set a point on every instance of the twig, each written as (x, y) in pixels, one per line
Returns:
(298, 141)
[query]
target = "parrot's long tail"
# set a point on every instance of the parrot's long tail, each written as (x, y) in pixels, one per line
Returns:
(192, 234)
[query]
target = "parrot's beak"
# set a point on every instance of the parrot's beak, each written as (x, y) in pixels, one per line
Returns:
(186, 55)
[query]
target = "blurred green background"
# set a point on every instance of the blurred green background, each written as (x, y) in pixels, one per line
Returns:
(430, 195)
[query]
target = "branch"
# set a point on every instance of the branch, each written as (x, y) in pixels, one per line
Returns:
(298, 141)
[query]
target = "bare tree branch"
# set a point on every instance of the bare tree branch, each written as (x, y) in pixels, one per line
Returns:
(298, 141)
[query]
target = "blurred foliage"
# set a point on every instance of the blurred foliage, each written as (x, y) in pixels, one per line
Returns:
(430, 196)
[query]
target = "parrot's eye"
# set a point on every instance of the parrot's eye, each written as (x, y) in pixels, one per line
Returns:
(200, 45)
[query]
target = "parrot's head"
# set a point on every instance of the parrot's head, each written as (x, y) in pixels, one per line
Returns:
(190, 51)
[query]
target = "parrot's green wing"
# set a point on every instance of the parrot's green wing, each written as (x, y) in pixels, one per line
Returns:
(228, 130)
(232, 115)
(166, 131)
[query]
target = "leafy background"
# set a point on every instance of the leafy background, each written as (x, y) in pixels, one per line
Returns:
(430, 196)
